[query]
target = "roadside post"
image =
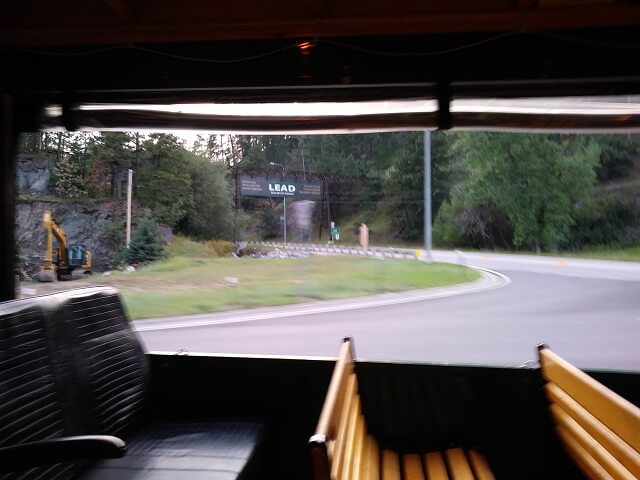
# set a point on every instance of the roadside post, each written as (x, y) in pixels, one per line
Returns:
(364, 236)
(427, 194)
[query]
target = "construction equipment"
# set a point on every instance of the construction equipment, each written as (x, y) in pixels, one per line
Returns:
(69, 260)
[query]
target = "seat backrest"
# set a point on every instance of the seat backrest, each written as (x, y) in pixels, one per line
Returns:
(110, 358)
(341, 449)
(34, 394)
(599, 429)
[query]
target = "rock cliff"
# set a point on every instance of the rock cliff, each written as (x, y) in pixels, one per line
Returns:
(96, 224)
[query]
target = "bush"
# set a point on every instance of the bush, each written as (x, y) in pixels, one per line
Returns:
(146, 244)
(603, 220)
(220, 248)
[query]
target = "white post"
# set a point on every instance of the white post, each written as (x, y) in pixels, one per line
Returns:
(129, 207)
(427, 193)
(285, 219)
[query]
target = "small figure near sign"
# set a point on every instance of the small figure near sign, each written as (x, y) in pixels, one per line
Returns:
(334, 233)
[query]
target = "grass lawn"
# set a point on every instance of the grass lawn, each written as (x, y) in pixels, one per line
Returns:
(631, 254)
(182, 285)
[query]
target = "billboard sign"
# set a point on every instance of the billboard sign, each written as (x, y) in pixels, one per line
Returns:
(280, 188)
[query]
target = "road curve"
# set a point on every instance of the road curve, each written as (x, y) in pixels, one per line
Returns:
(587, 310)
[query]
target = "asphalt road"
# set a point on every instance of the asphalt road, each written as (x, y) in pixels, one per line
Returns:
(588, 311)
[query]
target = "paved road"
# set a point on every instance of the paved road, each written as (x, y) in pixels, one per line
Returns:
(589, 311)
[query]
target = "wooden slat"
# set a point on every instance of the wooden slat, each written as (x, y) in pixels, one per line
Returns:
(480, 466)
(372, 465)
(618, 414)
(412, 467)
(341, 437)
(358, 446)
(390, 465)
(614, 444)
(363, 467)
(586, 462)
(597, 451)
(349, 444)
(435, 466)
(458, 464)
(331, 409)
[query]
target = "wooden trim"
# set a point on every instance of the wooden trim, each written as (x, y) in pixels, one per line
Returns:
(372, 470)
(340, 444)
(435, 466)
(390, 465)
(618, 414)
(337, 25)
(349, 447)
(458, 465)
(412, 467)
(358, 447)
(480, 466)
(339, 377)
(585, 462)
(120, 9)
(618, 448)
(599, 453)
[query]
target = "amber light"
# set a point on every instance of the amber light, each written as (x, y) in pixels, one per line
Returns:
(305, 47)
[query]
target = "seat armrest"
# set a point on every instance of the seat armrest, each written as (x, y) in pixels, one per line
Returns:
(57, 450)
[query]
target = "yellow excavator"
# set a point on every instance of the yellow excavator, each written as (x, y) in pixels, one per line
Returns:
(69, 261)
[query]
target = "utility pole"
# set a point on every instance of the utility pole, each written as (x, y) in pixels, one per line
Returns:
(304, 174)
(284, 199)
(427, 193)
(129, 207)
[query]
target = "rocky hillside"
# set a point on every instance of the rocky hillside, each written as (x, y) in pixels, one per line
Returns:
(34, 173)
(99, 225)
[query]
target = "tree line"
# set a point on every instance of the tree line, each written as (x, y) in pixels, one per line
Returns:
(490, 190)
(180, 187)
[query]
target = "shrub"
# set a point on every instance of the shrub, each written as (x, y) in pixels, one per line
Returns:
(146, 244)
(220, 248)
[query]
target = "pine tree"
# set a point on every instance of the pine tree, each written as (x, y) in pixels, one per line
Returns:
(146, 244)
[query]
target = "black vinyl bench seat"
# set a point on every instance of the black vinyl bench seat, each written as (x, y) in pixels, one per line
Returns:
(74, 378)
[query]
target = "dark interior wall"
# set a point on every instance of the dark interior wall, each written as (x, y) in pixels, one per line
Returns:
(8, 136)
(410, 407)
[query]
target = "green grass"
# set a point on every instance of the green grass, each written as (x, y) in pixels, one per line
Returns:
(630, 254)
(182, 285)
(186, 247)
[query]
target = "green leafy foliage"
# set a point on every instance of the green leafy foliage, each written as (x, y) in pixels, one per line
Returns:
(268, 224)
(67, 178)
(536, 180)
(146, 244)
(209, 213)
(490, 190)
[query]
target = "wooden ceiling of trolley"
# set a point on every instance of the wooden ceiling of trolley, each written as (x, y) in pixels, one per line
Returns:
(100, 22)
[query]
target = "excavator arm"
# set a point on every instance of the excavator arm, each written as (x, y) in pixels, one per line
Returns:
(63, 267)
(52, 229)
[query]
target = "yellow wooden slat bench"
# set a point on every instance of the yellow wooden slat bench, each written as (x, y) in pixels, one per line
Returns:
(343, 449)
(599, 429)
